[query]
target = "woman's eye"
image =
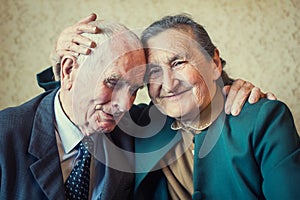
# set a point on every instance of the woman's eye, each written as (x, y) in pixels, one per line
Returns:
(154, 72)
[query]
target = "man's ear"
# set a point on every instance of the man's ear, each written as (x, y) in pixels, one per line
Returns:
(217, 64)
(68, 68)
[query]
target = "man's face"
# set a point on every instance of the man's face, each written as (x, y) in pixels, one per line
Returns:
(106, 88)
(181, 80)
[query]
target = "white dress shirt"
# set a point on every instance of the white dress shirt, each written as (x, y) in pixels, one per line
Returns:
(68, 136)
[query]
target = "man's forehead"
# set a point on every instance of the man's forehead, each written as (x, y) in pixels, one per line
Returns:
(124, 71)
(118, 46)
(126, 66)
(111, 58)
(125, 42)
(130, 60)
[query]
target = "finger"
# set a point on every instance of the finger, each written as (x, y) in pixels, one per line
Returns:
(238, 103)
(225, 90)
(271, 96)
(74, 42)
(85, 28)
(75, 48)
(229, 100)
(81, 28)
(255, 95)
(81, 40)
(68, 53)
(241, 98)
(90, 18)
(233, 89)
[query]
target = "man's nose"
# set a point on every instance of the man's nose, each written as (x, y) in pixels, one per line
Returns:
(122, 100)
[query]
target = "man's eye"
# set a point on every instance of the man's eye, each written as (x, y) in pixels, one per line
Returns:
(111, 83)
(178, 63)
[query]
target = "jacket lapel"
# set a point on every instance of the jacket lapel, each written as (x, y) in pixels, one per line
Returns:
(46, 170)
(111, 151)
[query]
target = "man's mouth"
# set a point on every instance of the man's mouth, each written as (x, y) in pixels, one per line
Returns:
(103, 116)
(106, 115)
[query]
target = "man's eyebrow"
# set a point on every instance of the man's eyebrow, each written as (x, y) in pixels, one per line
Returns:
(118, 77)
(114, 76)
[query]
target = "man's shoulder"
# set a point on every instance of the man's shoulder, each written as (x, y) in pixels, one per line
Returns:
(28, 105)
(22, 115)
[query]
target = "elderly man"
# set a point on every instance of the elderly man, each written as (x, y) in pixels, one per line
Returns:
(202, 153)
(45, 143)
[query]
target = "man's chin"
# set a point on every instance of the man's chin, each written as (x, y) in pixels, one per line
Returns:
(98, 128)
(106, 127)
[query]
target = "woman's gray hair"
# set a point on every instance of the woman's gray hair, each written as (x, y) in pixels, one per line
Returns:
(181, 22)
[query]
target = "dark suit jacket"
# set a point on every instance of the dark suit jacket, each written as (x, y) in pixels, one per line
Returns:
(29, 159)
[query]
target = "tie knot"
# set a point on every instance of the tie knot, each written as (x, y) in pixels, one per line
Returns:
(87, 144)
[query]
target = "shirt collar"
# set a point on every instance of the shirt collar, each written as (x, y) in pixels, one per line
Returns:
(207, 116)
(177, 125)
(69, 134)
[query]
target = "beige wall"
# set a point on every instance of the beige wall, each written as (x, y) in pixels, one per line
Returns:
(259, 39)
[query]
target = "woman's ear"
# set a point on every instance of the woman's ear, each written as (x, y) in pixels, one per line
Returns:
(67, 73)
(217, 64)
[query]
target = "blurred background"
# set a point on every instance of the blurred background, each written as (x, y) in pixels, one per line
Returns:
(260, 40)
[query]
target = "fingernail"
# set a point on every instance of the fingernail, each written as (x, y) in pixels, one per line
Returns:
(93, 45)
(88, 51)
(234, 112)
(227, 110)
(96, 30)
(251, 100)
